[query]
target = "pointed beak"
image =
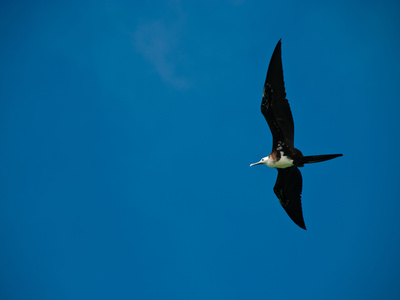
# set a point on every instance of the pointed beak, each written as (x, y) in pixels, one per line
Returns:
(258, 163)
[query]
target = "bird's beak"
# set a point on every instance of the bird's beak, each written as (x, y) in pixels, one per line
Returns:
(256, 163)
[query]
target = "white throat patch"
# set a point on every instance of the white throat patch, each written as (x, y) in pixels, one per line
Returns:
(284, 162)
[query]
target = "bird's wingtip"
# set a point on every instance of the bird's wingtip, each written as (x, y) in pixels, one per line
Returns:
(301, 225)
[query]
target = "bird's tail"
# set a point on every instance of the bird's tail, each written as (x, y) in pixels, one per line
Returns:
(318, 158)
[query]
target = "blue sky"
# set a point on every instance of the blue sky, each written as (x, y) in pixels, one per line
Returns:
(127, 129)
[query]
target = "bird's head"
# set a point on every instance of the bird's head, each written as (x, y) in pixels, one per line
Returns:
(263, 160)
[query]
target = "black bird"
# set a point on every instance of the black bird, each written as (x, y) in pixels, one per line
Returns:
(284, 156)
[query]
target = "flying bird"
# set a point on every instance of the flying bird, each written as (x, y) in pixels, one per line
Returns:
(284, 156)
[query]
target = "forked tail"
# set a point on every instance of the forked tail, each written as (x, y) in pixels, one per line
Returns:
(318, 158)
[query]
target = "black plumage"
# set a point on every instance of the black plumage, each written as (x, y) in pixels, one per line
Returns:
(276, 110)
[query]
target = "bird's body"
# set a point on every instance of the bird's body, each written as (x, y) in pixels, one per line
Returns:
(284, 156)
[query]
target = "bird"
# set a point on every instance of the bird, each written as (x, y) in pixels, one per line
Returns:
(284, 156)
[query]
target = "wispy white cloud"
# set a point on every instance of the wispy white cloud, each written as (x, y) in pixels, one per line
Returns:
(158, 43)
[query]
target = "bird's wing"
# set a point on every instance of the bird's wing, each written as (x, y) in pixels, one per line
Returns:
(274, 106)
(288, 189)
